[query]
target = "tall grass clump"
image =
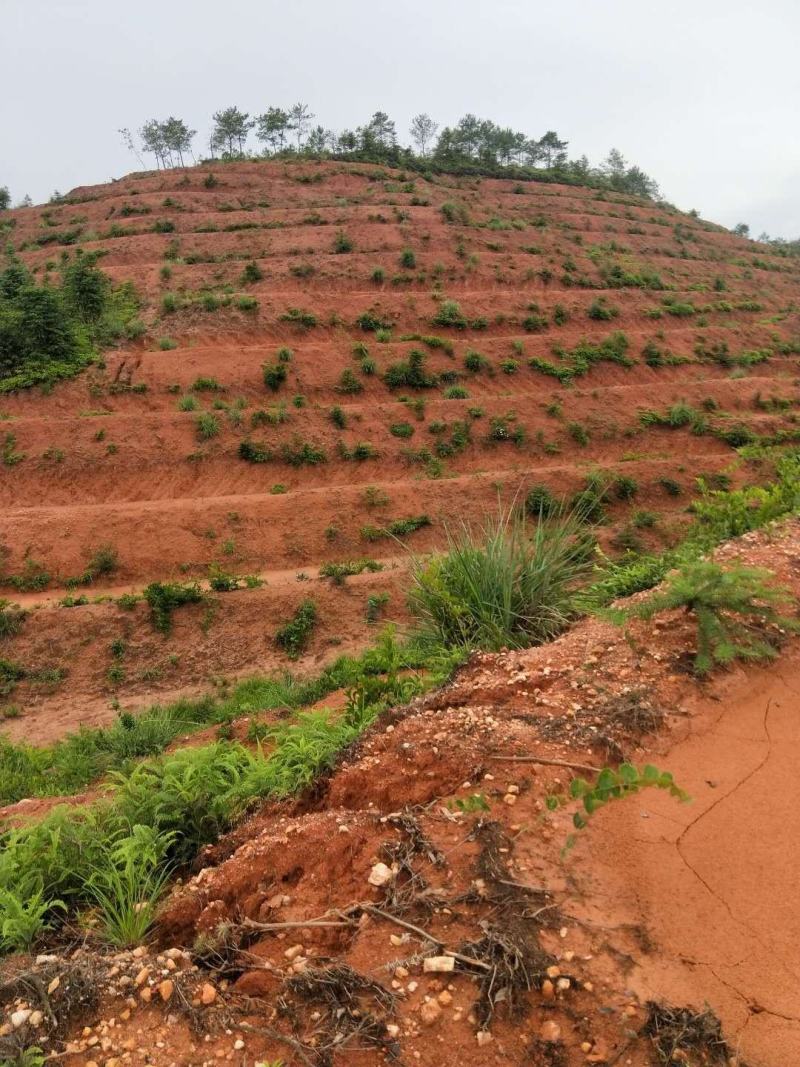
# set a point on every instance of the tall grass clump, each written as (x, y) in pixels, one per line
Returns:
(507, 584)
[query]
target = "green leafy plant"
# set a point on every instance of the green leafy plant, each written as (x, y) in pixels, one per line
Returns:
(129, 878)
(611, 785)
(164, 597)
(337, 572)
(410, 373)
(24, 915)
(206, 426)
(293, 636)
(540, 503)
(470, 805)
(733, 607)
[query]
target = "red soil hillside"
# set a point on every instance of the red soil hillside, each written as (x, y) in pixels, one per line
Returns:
(118, 455)
(314, 933)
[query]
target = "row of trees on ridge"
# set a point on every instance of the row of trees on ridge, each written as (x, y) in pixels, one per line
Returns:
(480, 145)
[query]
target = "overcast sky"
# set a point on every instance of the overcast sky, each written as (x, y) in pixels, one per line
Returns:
(702, 94)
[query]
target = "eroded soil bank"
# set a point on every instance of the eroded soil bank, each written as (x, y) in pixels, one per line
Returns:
(315, 953)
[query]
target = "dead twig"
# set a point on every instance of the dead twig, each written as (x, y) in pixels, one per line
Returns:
(467, 959)
(276, 1035)
(521, 885)
(252, 924)
(547, 762)
(370, 909)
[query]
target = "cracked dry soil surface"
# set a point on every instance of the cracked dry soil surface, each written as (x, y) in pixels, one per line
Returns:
(716, 883)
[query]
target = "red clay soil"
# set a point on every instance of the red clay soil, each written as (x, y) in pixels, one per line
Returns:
(110, 459)
(690, 906)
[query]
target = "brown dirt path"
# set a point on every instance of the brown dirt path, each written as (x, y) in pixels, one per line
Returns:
(714, 883)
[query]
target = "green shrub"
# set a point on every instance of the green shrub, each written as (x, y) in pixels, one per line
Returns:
(50, 332)
(732, 605)
(601, 310)
(166, 344)
(206, 426)
(337, 572)
(376, 604)
(410, 373)
(456, 392)
(252, 273)
(301, 453)
(299, 317)
(454, 213)
(578, 433)
(450, 315)
(625, 487)
(12, 619)
(642, 519)
(369, 322)
(255, 453)
(476, 362)
(509, 584)
(342, 243)
(274, 375)
(407, 259)
(205, 385)
(164, 597)
(540, 503)
(102, 562)
(360, 451)
(293, 636)
(338, 418)
(501, 428)
(535, 322)
(401, 429)
(589, 503)
(348, 384)
(396, 528)
(670, 486)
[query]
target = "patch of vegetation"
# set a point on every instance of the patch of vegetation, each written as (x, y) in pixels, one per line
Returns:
(540, 503)
(299, 453)
(103, 561)
(611, 784)
(507, 584)
(164, 597)
(50, 332)
(718, 515)
(733, 607)
(397, 528)
(299, 317)
(602, 311)
(12, 619)
(337, 572)
(579, 361)
(410, 373)
(255, 453)
(293, 636)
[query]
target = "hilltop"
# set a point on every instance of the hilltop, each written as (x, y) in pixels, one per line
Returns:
(330, 361)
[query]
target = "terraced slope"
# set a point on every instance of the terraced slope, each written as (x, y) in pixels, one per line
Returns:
(560, 331)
